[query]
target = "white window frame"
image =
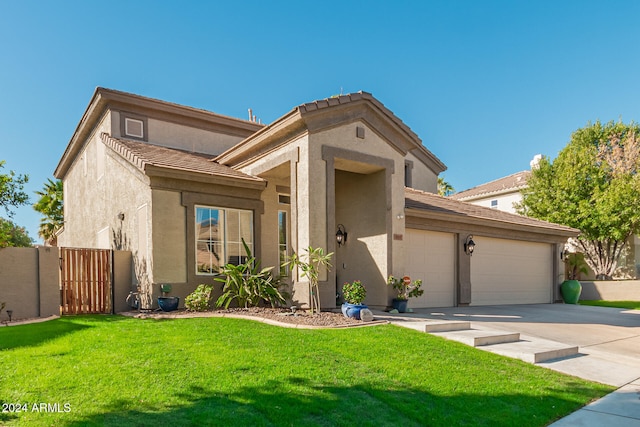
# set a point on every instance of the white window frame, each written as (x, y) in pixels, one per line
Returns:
(225, 240)
(284, 271)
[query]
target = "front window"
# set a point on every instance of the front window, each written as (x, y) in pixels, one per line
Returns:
(283, 241)
(219, 235)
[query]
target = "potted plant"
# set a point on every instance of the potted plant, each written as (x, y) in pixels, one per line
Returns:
(165, 302)
(354, 294)
(405, 289)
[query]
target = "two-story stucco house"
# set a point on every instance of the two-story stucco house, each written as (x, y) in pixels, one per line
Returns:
(182, 187)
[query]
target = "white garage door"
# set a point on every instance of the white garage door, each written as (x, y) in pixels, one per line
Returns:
(510, 272)
(431, 258)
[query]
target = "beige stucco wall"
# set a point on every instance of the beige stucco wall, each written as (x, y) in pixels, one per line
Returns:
(81, 202)
(169, 237)
(17, 266)
(96, 193)
(30, 282)
(174, 135)
(422, 178)
(618, 290)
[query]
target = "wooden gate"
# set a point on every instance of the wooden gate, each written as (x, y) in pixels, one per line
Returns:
(86, 280)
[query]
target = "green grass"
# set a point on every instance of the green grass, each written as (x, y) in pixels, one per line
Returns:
(118, 371)
(632, 305)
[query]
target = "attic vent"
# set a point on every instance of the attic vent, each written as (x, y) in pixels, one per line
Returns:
(360, 132)
(134, 128)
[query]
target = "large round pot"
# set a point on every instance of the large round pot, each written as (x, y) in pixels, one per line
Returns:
(168, 303)
(571, 290)
(352, 310)
(400, 305)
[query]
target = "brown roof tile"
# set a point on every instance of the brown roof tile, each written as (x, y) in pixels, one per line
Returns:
(508, 183)
(141, 154)
(416, 199)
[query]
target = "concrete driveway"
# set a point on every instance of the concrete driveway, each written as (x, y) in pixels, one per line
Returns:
(608, 338)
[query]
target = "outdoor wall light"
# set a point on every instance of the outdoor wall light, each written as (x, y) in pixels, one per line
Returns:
(469, 245)
(341, 235)
(121, 216)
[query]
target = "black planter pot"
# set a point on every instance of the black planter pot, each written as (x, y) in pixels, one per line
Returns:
(400, 305)
(168, 303)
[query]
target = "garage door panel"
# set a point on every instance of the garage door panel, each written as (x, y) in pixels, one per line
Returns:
(510, 272)
(431, 258)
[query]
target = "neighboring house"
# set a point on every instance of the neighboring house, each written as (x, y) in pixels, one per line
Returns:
(182, 188)
(504, 193)
(500, 194)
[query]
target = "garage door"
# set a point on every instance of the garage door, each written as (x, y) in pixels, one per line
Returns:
(510, 272)
(431, 258)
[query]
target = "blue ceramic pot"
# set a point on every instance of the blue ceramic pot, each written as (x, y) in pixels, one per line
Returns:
(352, 310)
(168, 303)
(400, 305)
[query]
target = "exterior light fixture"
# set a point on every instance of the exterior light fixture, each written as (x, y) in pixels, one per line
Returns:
(341, 235)
(121, 216)
(469, 245)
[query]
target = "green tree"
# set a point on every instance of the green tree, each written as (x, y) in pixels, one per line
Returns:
(50, 205)
(593, 185)
(12, 235)
(444, 188)
(11, 190)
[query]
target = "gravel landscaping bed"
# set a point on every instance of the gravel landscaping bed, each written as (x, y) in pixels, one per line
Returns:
(302, 318)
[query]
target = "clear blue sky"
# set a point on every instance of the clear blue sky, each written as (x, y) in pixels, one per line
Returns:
(485, 84)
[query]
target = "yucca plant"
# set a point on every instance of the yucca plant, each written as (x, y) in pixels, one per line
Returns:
(310, 265)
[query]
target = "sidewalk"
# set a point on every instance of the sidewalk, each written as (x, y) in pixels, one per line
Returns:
(618, 409)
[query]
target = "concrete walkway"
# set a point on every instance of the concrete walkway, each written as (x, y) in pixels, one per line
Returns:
(595, 343)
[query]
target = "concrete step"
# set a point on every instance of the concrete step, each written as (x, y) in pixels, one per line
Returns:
(446, 326)
(477, 338)
(533, 350)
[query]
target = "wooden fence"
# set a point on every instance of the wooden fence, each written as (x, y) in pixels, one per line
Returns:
(86, 281)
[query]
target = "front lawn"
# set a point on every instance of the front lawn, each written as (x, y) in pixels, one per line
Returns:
(118, 371)
(631, 305)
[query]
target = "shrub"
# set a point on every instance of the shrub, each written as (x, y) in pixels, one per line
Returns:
(249, 285)
(405, 287)
(354, 293)
(199, 299)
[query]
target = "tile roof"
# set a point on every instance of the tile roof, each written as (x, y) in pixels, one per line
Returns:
(141, 154)
(416, 199)
(507, 184)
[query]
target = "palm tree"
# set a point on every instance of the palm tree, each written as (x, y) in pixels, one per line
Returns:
(444, 188)
(50, 205)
